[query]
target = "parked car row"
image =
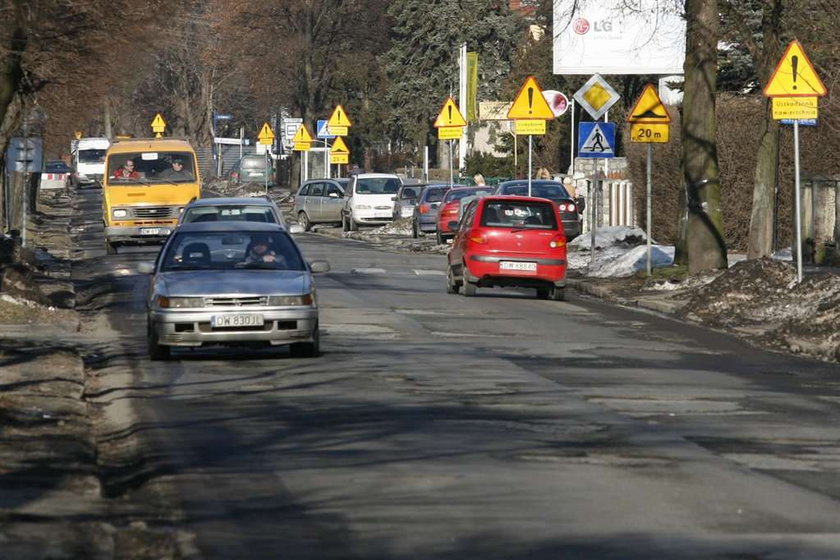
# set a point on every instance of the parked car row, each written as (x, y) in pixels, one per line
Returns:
(380, 198)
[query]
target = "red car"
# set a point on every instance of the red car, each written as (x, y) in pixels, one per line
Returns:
(450, 209)
(509, 241)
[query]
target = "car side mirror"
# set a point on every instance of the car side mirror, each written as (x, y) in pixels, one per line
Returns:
(296, 228)
(394, 199)
(145, 267)
(319, 266)
(334, 195)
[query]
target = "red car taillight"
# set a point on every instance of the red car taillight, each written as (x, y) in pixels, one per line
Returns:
(557, 241)
(424, 208)
(477, 238)
(566, 207)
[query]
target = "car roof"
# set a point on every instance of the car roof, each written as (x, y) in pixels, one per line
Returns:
(336, 179)
(377, 175)
(533, 182)
(222, 201)
(232, 227)
(150, 144)
(513, 198)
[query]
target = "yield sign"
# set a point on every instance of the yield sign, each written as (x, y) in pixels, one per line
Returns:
(649, 108)
(795, 76)
(450, 115)
(339, 147)
(529, 103)
(302, 135)
(596, 139)
(266, 135)
(339, 117)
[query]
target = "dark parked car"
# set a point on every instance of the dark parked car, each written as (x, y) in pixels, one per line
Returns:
(554, 191)
(425, 213)
(319, 201)
(406, 200)
(252, 168)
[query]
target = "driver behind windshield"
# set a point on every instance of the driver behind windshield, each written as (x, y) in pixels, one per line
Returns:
(177, 171)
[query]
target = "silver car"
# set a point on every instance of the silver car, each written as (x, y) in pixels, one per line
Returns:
(232, 283)
(232, 209)
(319, 201)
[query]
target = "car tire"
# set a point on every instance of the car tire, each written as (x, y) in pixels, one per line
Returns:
(467, 287)
(558, 294)
(415, 231)
(110, 248)
(543, 293)
(304, 222)
(307, 349)
(439, 237)
(451, 286)
(157, 352)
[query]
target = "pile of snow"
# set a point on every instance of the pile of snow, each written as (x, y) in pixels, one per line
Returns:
(620, 251)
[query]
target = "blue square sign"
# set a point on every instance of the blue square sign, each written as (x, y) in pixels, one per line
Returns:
(596, 140)
(323, 130)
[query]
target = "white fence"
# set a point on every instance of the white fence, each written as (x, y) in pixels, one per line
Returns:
(612, 201)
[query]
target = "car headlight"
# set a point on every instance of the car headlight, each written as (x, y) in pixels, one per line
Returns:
(181, 210)
(165, 302)
(362, 207)
(283, 301)
(120, 213)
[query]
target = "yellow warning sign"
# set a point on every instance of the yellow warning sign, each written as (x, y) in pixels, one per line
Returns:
(450, 115)
(158, 125)
(529, 103)
(78, 134)
(302, 135)
(649, 132)
(266, 135)
(794, 76)
(302, 146)
(339, 147)
(339, 158)
(339, 118)
(529, 127)
(450, 132)
(649, 108)
(795, 108)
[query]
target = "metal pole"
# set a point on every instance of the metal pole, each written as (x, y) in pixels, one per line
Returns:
(593, 200)
(798, 202)
(530, 145)
(267, 167)
(572, 136)
(462, 104)
(606, 160)
(25, 179)
(649, 204)
(426, 163)
(515, 155)
(451, 181)
(326, 158)
(241, 138)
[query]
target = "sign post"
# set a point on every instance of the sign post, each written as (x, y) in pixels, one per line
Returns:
(337, 125)
(266, 138)
(649, 123)
(794, 88)
(302, 143)
(530, 111)
(450, 125)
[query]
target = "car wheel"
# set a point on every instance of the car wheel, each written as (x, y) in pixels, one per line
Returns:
(110, 248)
(451, 286)
(468, 287)
(157, 351)
(543, 293)
(415, 232)
(558, 294)
(304, 222)
(439, 237)
(307, 349)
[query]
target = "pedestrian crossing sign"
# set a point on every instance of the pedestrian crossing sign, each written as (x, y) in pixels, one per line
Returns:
(596, 140)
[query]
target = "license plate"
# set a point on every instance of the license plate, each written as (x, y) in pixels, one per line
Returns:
(384, 215)
(154, 231)
(238, 320)
(406, 212)
(521, 266)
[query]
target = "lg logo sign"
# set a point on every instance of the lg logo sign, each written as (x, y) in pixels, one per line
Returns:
(581, 26)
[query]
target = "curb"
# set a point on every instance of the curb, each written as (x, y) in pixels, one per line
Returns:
(666, 307)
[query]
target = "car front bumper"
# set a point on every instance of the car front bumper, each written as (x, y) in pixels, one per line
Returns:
(193, 328)
(138, 234)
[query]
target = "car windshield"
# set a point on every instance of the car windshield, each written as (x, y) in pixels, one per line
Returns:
(57, 167)
(231, 250)
(458, 194)
(228, 213)
(519, 215)
(541, 190)
(91, 156)
(435, 195)
(377, 185)
(146, 168)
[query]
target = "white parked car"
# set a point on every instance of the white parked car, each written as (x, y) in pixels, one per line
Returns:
(369, 200)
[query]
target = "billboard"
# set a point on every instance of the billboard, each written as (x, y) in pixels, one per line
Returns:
(618, 37)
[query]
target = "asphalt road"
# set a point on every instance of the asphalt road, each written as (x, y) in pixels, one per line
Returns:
(439, 426)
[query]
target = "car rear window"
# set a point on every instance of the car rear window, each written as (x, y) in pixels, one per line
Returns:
(378, 185)
(435, 195)
(91, 156)
(458, 194)
(233, 213)
(519, 215)
(551, 192)
(410, 192)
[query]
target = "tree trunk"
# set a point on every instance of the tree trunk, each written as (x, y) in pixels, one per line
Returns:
(704, 239)
(763, 214)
